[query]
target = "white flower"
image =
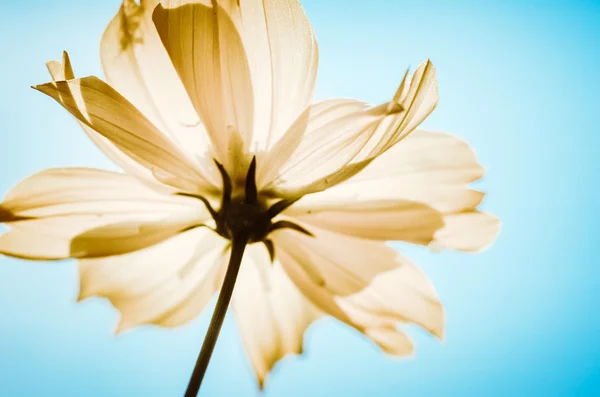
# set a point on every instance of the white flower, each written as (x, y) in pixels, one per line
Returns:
(236, 84)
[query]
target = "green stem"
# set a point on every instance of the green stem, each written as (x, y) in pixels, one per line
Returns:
(238, 246)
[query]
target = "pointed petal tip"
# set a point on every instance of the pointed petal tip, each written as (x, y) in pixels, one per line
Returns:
(121, 328)
(81, 297)
(84, 294)
(439, 332)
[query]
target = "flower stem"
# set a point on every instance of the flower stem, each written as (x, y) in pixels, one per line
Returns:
(238, 246)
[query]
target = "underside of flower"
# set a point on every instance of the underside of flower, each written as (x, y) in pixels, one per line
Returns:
(304, 224)
(248, 216)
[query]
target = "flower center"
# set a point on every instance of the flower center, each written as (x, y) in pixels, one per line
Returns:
(244, 218)
(248, 217)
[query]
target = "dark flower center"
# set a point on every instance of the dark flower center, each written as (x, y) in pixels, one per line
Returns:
(248, 217)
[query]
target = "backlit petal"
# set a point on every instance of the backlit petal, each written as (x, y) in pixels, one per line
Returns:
(207, 51)
(428, 167)
(468, 231)
(62, 70)
(283, 57)
(99, 106)
(137, 65)
(167, 284)
(363, 283)
(85, 212)
(351, 142)
(272, 314)
(304, 151)
(380, 220)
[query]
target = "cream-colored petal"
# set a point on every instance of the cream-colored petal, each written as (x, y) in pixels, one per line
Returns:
(350, 143)
(167, 284)
(407, 221)
(328, 124)
(468, 231)
(363, 283)
(62, 70)
(86, 191)
(137, 65)
(208, 54)
(427, 167)
(121, 238)
(80, 236)
(272, 314)
(99, 106)
(64, 213)
(283, 58)
(47, 238)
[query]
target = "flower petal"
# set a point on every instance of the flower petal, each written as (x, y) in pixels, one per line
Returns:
(87, 191)
(283, 57)
(402, 220)
(137, 65)
(272, 314)
(363, 283)
(99, 106)
(208, 54)
(427, 167)
(328, 122)
(62, 70)
(167, 284)
(468, 231)
(77, 212)
(348, 144)
(121, 238)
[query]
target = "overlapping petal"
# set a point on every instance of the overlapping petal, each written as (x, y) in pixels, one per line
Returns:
(431, 168)
(100, 107)
(271, 312)
(283, 57)
(65, 213)
(379, 219)
(315, 138)
(346, 143)
(62, 70)
(137, 65)
(362, 283)
(167, 284)
(208, 53)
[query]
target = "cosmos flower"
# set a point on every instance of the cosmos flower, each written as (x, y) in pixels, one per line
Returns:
(208, 110)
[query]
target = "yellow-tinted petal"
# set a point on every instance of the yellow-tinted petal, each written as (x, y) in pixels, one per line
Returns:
(467, 231)
(63, 213)
(137, 65)
(208, 54)
(87, 191)
(363, 283)
(315, 140)
(350, 143)
(100, 107)
(62, 70)
(428, 167)
(167, 284)
(407, 221)
(283, 57)
(272, 314)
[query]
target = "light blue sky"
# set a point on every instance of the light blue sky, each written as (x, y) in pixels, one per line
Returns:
(518, 80)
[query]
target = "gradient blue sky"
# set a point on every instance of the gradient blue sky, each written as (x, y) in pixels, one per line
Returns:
(518, 79)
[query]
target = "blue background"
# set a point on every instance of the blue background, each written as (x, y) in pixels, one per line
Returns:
(519, 80)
